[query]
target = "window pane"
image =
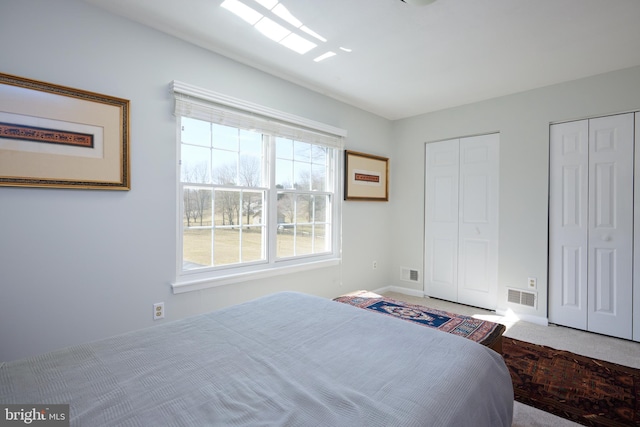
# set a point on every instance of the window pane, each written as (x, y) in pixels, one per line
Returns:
(196, 207)
(252, 206)
(284, 243)
(302, 151)
(320, 208)
(227, 208)
(225, 167)
(196, 244)
(195, 163)
(304, 209)
(286, 210)
(320, 242)
(319, 154)
(284, 148)
(225, 137)
(252, 239)
(284, 174)
(196, 248)
(318, 177)
(251, 142)
(302, 173)
(226, 246)
(250, 171)
(196, 132)
(304, 239)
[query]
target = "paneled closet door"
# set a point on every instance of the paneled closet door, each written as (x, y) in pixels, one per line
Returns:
(478, 225)
(591, 225)
(461, 220)
(441, 219)
(610, 269)
(568, 223)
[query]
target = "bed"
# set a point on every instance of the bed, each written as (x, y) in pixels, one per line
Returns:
(283, 359)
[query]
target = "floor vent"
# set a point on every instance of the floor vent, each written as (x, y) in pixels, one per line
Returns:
(521, 297)
(408, 274)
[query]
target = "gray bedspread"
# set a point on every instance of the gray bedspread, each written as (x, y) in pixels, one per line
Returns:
(287, 359)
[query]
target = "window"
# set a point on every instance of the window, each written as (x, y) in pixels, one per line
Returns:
(258, 190)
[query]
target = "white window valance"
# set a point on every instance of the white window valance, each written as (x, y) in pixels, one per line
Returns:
(203, 104)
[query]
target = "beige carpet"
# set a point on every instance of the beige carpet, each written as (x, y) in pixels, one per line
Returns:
(585, 343)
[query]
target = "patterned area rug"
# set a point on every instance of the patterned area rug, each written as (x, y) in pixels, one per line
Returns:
(587, 391)
(481, 331)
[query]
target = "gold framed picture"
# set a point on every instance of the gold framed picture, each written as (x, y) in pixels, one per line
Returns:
(57, 136)
(366, 177)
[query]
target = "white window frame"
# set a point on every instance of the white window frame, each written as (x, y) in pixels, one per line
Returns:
(195, 102)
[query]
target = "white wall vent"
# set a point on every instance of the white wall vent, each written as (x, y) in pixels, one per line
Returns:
(408, 274)
(522, 297)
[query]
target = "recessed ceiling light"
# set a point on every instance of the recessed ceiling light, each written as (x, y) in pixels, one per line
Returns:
(325, 56)
(242, 10)
(345, 49)
(271, 29)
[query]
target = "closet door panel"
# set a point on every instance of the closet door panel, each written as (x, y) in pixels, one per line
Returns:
(568, 223)
(610, 263)
(478, 235)
(441, 219)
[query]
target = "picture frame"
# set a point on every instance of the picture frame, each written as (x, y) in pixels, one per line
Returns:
(366, 177)
(61, 137)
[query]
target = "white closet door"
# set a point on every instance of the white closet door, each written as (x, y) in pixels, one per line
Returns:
(461, 220)
(568, 223)
(610, 263)
(636, 263)
(441, 219)
(478, 224)
(591, 225)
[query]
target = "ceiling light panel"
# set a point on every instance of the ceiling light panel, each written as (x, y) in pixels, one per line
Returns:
(271, 29)
(242, 10)
(297, 43)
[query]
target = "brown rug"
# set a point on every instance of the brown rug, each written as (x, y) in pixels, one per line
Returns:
(587, 391)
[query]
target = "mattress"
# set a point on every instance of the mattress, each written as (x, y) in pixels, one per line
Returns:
(284, 359)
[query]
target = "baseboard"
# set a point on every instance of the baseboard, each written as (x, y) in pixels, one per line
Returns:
(400, 290)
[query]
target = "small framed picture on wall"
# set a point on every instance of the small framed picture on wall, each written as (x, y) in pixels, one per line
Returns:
(366, 177)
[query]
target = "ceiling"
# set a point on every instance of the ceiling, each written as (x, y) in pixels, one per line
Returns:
(407, 60)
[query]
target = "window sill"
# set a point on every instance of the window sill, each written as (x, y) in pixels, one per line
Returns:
(183, 285)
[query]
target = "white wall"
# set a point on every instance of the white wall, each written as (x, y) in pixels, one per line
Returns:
(523, 122)
(78, 265)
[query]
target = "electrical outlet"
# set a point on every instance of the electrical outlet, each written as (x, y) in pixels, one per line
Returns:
(533, 283)
(375, 265)
(158, 311)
